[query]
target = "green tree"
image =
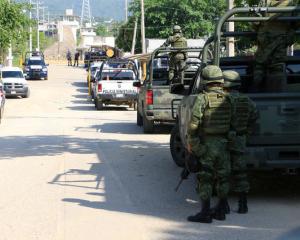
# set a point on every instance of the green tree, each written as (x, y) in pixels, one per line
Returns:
(196, 17)
(13, 24)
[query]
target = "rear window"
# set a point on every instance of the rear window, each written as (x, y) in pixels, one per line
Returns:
(12, 74)
(118, 75)
(160, 77)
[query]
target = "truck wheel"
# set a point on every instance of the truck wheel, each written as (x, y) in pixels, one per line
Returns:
(139, 119)
(27, 95)
(98, 105)
(176, 147)
(148, 125)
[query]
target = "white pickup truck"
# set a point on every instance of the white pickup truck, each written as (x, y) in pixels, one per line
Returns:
(115, 86)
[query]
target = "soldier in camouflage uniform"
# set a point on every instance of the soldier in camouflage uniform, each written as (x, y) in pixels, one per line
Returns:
(177, 59)
(273, 38)
(245, 116)
(210, 124)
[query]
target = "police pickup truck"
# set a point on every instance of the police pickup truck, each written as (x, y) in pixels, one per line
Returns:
(114, 84)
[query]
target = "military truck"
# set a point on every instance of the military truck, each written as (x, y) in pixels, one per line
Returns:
(154, 100)
(275, 142)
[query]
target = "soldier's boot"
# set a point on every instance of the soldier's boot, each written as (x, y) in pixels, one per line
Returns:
(243, 205)
(204, 216)
(225, 206)
(220, 210)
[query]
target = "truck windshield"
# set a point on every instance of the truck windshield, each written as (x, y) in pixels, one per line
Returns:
(12, 74)
(118, 75)
(36, 62)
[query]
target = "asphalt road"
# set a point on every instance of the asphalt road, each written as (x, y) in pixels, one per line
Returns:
(69, 172)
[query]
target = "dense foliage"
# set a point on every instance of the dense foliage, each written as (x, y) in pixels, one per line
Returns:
(13, 24)
(196, 17)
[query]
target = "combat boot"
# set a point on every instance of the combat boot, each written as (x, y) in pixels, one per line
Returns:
(225, 206)
(221, 209)
(204, 216)
(243, 206)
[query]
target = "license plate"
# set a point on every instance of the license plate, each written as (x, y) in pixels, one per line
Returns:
(13, 92)
(119, 95)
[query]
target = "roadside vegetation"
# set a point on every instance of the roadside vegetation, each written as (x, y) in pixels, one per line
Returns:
(14, 25)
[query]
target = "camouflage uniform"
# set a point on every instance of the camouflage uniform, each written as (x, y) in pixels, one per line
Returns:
(177, 59)
(211, 119)
(273, 38)
(245, 116)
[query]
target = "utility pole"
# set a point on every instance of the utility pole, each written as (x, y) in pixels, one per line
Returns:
(126, 10)
(143, 27)
(30, 28)
(10, 56)
(134, 36)
(230, 28)
(38, 23)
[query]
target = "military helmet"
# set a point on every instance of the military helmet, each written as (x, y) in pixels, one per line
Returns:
(212, 74)
(232, 79)
(177, 29)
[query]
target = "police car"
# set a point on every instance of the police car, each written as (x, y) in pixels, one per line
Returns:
(114, 85)
(36, 68)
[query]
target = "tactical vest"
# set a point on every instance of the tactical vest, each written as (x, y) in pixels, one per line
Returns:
(179, 42)
(242, 113)
(217, 114)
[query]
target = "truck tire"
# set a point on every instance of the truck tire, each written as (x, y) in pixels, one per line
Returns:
(148, 125)
(98, 105)
(27, 95)
(139, 119)
(176, 147)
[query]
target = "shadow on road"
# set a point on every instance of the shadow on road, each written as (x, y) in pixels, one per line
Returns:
(139, 178)
(129, 128)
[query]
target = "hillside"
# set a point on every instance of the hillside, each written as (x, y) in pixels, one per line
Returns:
(100, 8)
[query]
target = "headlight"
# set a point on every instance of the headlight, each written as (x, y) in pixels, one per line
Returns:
(45, 69)
(27, 69)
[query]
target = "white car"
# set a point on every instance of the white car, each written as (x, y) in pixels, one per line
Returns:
(14, 82)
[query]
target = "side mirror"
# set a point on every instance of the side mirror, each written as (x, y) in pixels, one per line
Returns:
(137, 84)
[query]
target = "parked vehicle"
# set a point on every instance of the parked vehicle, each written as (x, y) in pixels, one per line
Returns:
(14, 82)
(36, 68)
(2, 100)
(154, 99)
(275, 142)
(93, 68)
(114, 84)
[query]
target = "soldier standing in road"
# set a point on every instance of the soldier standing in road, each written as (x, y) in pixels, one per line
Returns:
(76, 59)
(273, 38)
(69, 58)
(211, 122)
(177, 59)
(245, 117)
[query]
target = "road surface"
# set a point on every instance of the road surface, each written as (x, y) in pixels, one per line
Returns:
(69, 172)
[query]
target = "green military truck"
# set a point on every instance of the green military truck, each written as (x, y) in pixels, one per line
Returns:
(275, 142)
(155, 99)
